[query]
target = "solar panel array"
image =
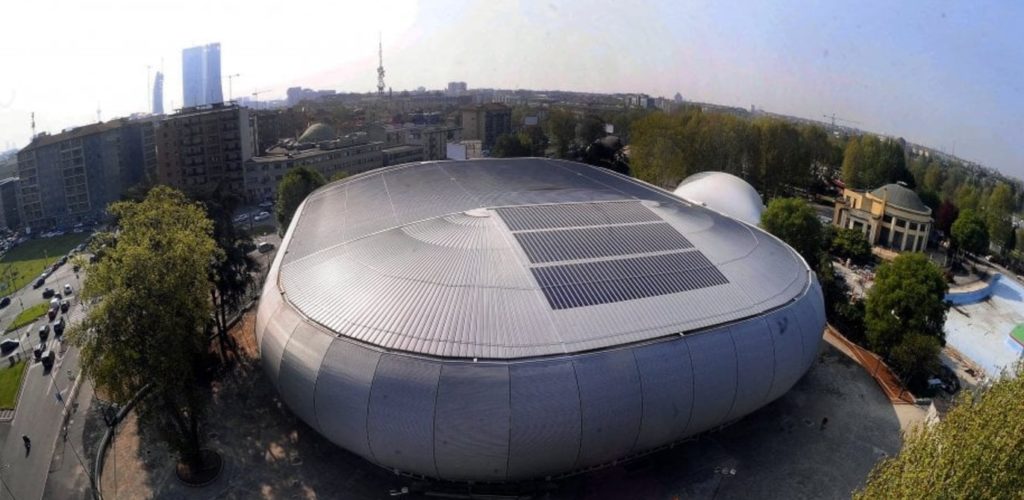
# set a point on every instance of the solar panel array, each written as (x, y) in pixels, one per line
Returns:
(623, 235)
(532, 217)
(594, 242)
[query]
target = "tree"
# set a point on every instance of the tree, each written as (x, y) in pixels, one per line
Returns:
(591, 129)
(510, 146)
(297, 184)
(945, 215)
(870, 162)
(535, 140)
(794, 221)
(148, 327)
(562, 129)
(969, 233)
(784, 160)
(974, 452)
(907, 299)
(850, 244)
(998, 211)
(231, 277)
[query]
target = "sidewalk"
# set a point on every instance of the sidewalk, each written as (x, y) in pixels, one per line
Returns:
(67, 478)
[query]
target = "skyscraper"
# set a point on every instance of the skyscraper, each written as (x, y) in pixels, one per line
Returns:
(158, 94)
(201, 75)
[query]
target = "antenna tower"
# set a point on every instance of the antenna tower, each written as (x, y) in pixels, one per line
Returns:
(380, 67)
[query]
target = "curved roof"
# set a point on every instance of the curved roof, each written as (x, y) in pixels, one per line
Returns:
(902, 197)
(317, 132)
(518, 258)
(724, 193)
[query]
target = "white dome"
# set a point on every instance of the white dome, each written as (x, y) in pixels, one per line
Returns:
(723, 193)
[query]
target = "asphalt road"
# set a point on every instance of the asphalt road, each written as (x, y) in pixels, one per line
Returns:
(38, 416)
(28, 296)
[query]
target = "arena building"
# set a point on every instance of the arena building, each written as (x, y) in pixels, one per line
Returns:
(511, 319)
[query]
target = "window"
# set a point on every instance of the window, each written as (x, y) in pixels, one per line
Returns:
(887, 219)
(900, 223)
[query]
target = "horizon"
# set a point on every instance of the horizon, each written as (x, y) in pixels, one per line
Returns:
(944, 76)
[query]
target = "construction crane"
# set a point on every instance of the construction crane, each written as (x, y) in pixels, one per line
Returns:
(256, 97)
(833, 117)
(230, 78)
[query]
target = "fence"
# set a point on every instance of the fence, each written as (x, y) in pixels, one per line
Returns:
(873, 364)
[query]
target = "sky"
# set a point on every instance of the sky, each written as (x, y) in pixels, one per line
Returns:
(943, 74)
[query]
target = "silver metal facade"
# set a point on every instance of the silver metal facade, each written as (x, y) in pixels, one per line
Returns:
(468, 398)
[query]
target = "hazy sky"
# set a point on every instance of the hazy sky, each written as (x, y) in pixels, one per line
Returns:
(948, 75)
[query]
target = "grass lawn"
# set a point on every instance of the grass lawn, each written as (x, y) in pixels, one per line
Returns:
(28, 260)
(10, 381)
(1018, 334)
(28, 316)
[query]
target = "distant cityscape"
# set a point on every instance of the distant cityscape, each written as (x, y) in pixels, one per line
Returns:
(244, 146)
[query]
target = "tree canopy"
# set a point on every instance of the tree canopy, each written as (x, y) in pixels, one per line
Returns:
(870, 162)
(851, 244)
(904, 309)
(296, 185)
(794, 221)
(969, 232)
(153, 311)
(973, 452)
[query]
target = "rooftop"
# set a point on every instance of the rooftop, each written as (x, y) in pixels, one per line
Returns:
(517, 258)
(901, 196)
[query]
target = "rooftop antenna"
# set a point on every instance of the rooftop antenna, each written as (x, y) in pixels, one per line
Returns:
(380, 67)
(98, 120)
(33, 124)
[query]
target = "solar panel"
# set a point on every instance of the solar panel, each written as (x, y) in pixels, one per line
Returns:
(593, 242)
(532, 217)
(602, 282)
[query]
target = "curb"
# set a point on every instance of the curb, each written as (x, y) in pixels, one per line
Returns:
(101, 452)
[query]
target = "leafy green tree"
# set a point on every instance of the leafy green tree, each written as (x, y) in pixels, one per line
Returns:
(998, 212)
(969, 233)
(870, 162)
(967, 197)
(535, 140)
(784, 160)
(561, 125)
(973, 452)
(794, 221)
(851, 244)
(591, 129)
(149, 325)
(510, 146)
(339, 175)
(945, 215)
(933, 177)
(907, 299)
(231, 277)
(296, 185)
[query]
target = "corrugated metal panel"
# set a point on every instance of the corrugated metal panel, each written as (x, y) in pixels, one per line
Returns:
(531, 217)
(755, 358)
(606, 241)
(401, 416)
(545, 405)
(714, 378)
(270, 302)
(788, 344)
(275, 336)
(814, 323)
(611, 402)
(343, 394)
(421, 276)
(300, 367)
(471, 424)
(666, 377)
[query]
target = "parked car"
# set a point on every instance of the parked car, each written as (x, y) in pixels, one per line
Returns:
(4, 302)
(52, 313)
(47, 293)
(265, 247)
(67, 289)
(58, 326)
(65, 305)
(39, 282)
(261, 216)
(8, 346)
(242, 218)
(47, 359)
(44, 332)
(266, 204)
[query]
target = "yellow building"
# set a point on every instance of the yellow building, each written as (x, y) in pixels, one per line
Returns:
(891, 216)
